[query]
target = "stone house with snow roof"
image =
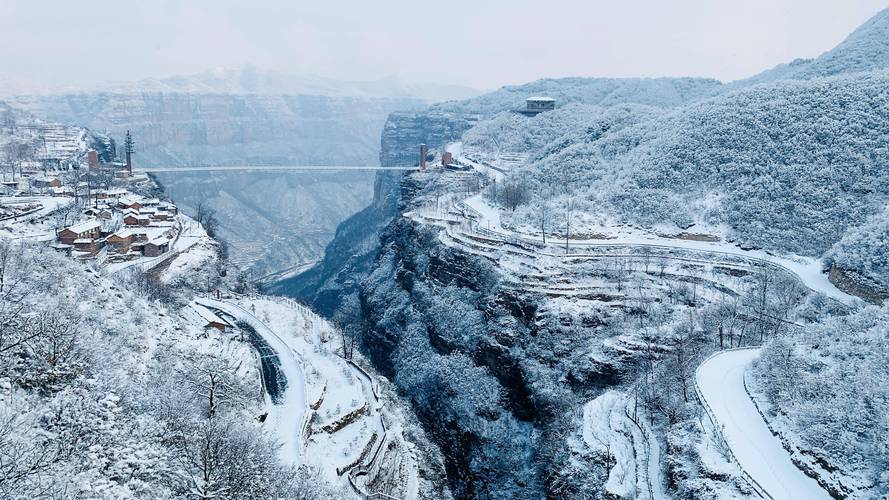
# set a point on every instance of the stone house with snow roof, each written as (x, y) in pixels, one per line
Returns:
(89, 230)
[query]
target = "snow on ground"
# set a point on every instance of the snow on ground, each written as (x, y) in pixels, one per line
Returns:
(808, 270)
(189, 233)
(188, 260)
(313, 340)
(633, 454)
(33, 226)
(603, 420)
(489, 216)
(285, 419)
(336, 389)
(485, 166)
(760, 453)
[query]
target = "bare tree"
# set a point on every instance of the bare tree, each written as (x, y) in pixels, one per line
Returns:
(661, 266)
(646, 258)
(514, 193)
(53, 336)
(620, 271)
(543, 218)
(213, 382)
(25, 456)
(206, 217)
(696, 273)
(570, 206)
(758, 296)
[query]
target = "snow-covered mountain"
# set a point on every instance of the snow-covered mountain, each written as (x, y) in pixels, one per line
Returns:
(866, 49)
(249, 80)
(547, 304)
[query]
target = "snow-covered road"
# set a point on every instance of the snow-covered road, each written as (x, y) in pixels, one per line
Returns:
(286, 418)
(720, 380)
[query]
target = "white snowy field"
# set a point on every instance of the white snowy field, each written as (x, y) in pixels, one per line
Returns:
(35, 225)
(759, 452)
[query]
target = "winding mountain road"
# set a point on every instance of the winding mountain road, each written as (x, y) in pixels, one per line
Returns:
(720, 380)
(287, 410)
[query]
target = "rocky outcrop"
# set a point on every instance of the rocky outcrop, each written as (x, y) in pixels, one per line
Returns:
(404, 132)
(859, 285)
(447, 328)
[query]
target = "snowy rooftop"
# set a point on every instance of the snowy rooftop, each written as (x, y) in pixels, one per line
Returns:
(129, 200)
(124, 233)
(85, 226)
(540, 99)
(206, 314)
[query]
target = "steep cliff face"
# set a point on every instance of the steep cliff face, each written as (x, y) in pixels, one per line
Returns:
(495, 370)
(210, 129)
(331, 286)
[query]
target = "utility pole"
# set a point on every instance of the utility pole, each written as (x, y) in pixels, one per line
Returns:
(129, 148)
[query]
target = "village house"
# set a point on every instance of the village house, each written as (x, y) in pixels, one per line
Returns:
(168, 208)
(120, 241)
(134, 219)
(46, 182)
(160, 216)
(129, 202)
(62, 191)
(156, 247)
(109, 194)
(89, 230)
(88, 247)
(130, 239)
(209, 319)
(101, 212)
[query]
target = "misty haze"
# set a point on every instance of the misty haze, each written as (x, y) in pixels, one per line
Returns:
(510, 249)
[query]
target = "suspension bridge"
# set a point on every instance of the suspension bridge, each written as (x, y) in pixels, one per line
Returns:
(273, 168)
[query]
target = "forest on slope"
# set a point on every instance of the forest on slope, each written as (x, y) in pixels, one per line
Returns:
(788, 166)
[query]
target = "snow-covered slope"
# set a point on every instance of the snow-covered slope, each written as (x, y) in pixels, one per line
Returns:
(866, 49)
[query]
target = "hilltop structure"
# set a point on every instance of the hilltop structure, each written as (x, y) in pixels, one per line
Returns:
(538, 104)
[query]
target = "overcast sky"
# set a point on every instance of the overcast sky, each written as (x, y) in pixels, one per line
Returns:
(480, 43)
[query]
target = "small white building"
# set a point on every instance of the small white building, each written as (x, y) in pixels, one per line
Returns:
(538, 104)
